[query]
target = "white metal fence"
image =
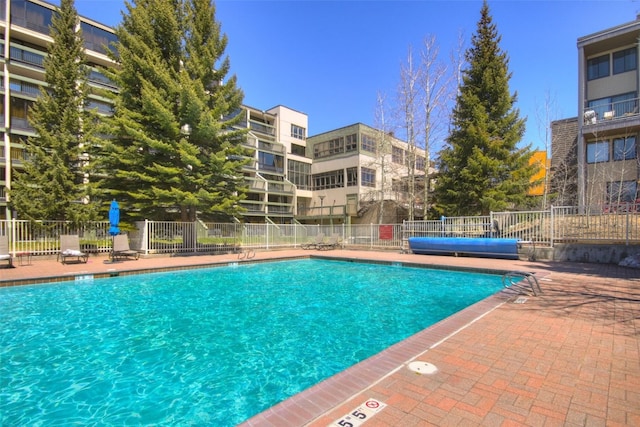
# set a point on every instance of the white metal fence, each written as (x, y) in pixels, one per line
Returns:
(541, 228)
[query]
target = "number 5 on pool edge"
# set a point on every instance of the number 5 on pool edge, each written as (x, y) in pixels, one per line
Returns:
(357, 414)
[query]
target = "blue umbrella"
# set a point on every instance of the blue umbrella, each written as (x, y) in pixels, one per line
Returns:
(114, 218)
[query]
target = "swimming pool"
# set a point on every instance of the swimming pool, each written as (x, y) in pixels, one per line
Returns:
(211, 346)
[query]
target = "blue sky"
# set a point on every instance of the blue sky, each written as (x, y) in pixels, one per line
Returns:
(329, 59)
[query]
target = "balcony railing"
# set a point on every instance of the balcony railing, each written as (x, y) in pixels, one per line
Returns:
(26, 57)
(607, 112)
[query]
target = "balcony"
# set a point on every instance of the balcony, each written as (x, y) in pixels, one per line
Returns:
(607, 118)
(285, 188)
(262, 128)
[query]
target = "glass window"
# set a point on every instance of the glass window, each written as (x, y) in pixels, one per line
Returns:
(598, 67)
(624, 148)
(368, 177)
(298, 132)
(31, 15)
(397, 155)
(300, 174)
(368, 144)
(97, 39)
(96, 76)
(625, 60)
(270, 162)
(352, 177)
(26, 56)
(20, 113)
(100, 106)
(298, 150)
(351, 143)
(333, 179)
(622, 191)
(598, 152)
(420, 163)
(18, 86)
(328, 148)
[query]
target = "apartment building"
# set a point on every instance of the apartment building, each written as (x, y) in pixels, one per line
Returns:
(23, 46)
(354, 169)
(608, 170)
(279, 174)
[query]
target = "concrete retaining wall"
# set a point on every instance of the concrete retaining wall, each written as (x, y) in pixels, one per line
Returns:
(582, 252)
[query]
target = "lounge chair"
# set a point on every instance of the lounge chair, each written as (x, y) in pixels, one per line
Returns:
(5, 255)
(332, 243)
(70, 248)
(316, 243)
(121, 248)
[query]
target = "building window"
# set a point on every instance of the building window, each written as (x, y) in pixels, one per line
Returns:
(30, 15)
(598, 152)
(622, 191)
(29, 89)
(300, 174)
(97, 39)
(625, 60)
(97, 77)
(328, 148)
(368, 144)
(270, 162)
(298, 132)
(352, 177)
(598, 67)
(20, 113)
(368, 177)
(99, 106)
(397, 155)
(298, 150)
(26, 56)
(420, 163)
(333, 179)
(351, 143)
(624, 148)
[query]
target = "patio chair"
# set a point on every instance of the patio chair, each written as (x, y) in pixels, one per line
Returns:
(332, 243)
(121, 248)
(70, 249)
(5, 255)
(315, 244)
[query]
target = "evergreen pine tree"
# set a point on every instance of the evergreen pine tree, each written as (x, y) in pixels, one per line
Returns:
(172, 153)
(481, 167)
(54, 182)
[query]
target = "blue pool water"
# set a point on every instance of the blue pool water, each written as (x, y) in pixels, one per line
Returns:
(207, 347)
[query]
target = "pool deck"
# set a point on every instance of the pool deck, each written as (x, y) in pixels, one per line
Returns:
(568, 357)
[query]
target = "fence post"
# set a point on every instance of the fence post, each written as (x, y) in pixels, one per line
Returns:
(266, 234)
(145, 237)
(12, 234)
(552, 226)
(628, 227)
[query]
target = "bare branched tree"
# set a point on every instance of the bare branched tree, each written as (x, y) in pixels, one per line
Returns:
(545, 114)
(384, 147)
(408, 104)
(437, 92)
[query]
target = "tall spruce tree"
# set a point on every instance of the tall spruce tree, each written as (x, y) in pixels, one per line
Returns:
(173, 153)
(54, 182)
(481, 168)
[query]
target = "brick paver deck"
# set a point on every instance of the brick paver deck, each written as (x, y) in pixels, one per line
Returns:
(569, 357)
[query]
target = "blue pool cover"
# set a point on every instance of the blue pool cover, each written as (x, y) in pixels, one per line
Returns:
(480, 247)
